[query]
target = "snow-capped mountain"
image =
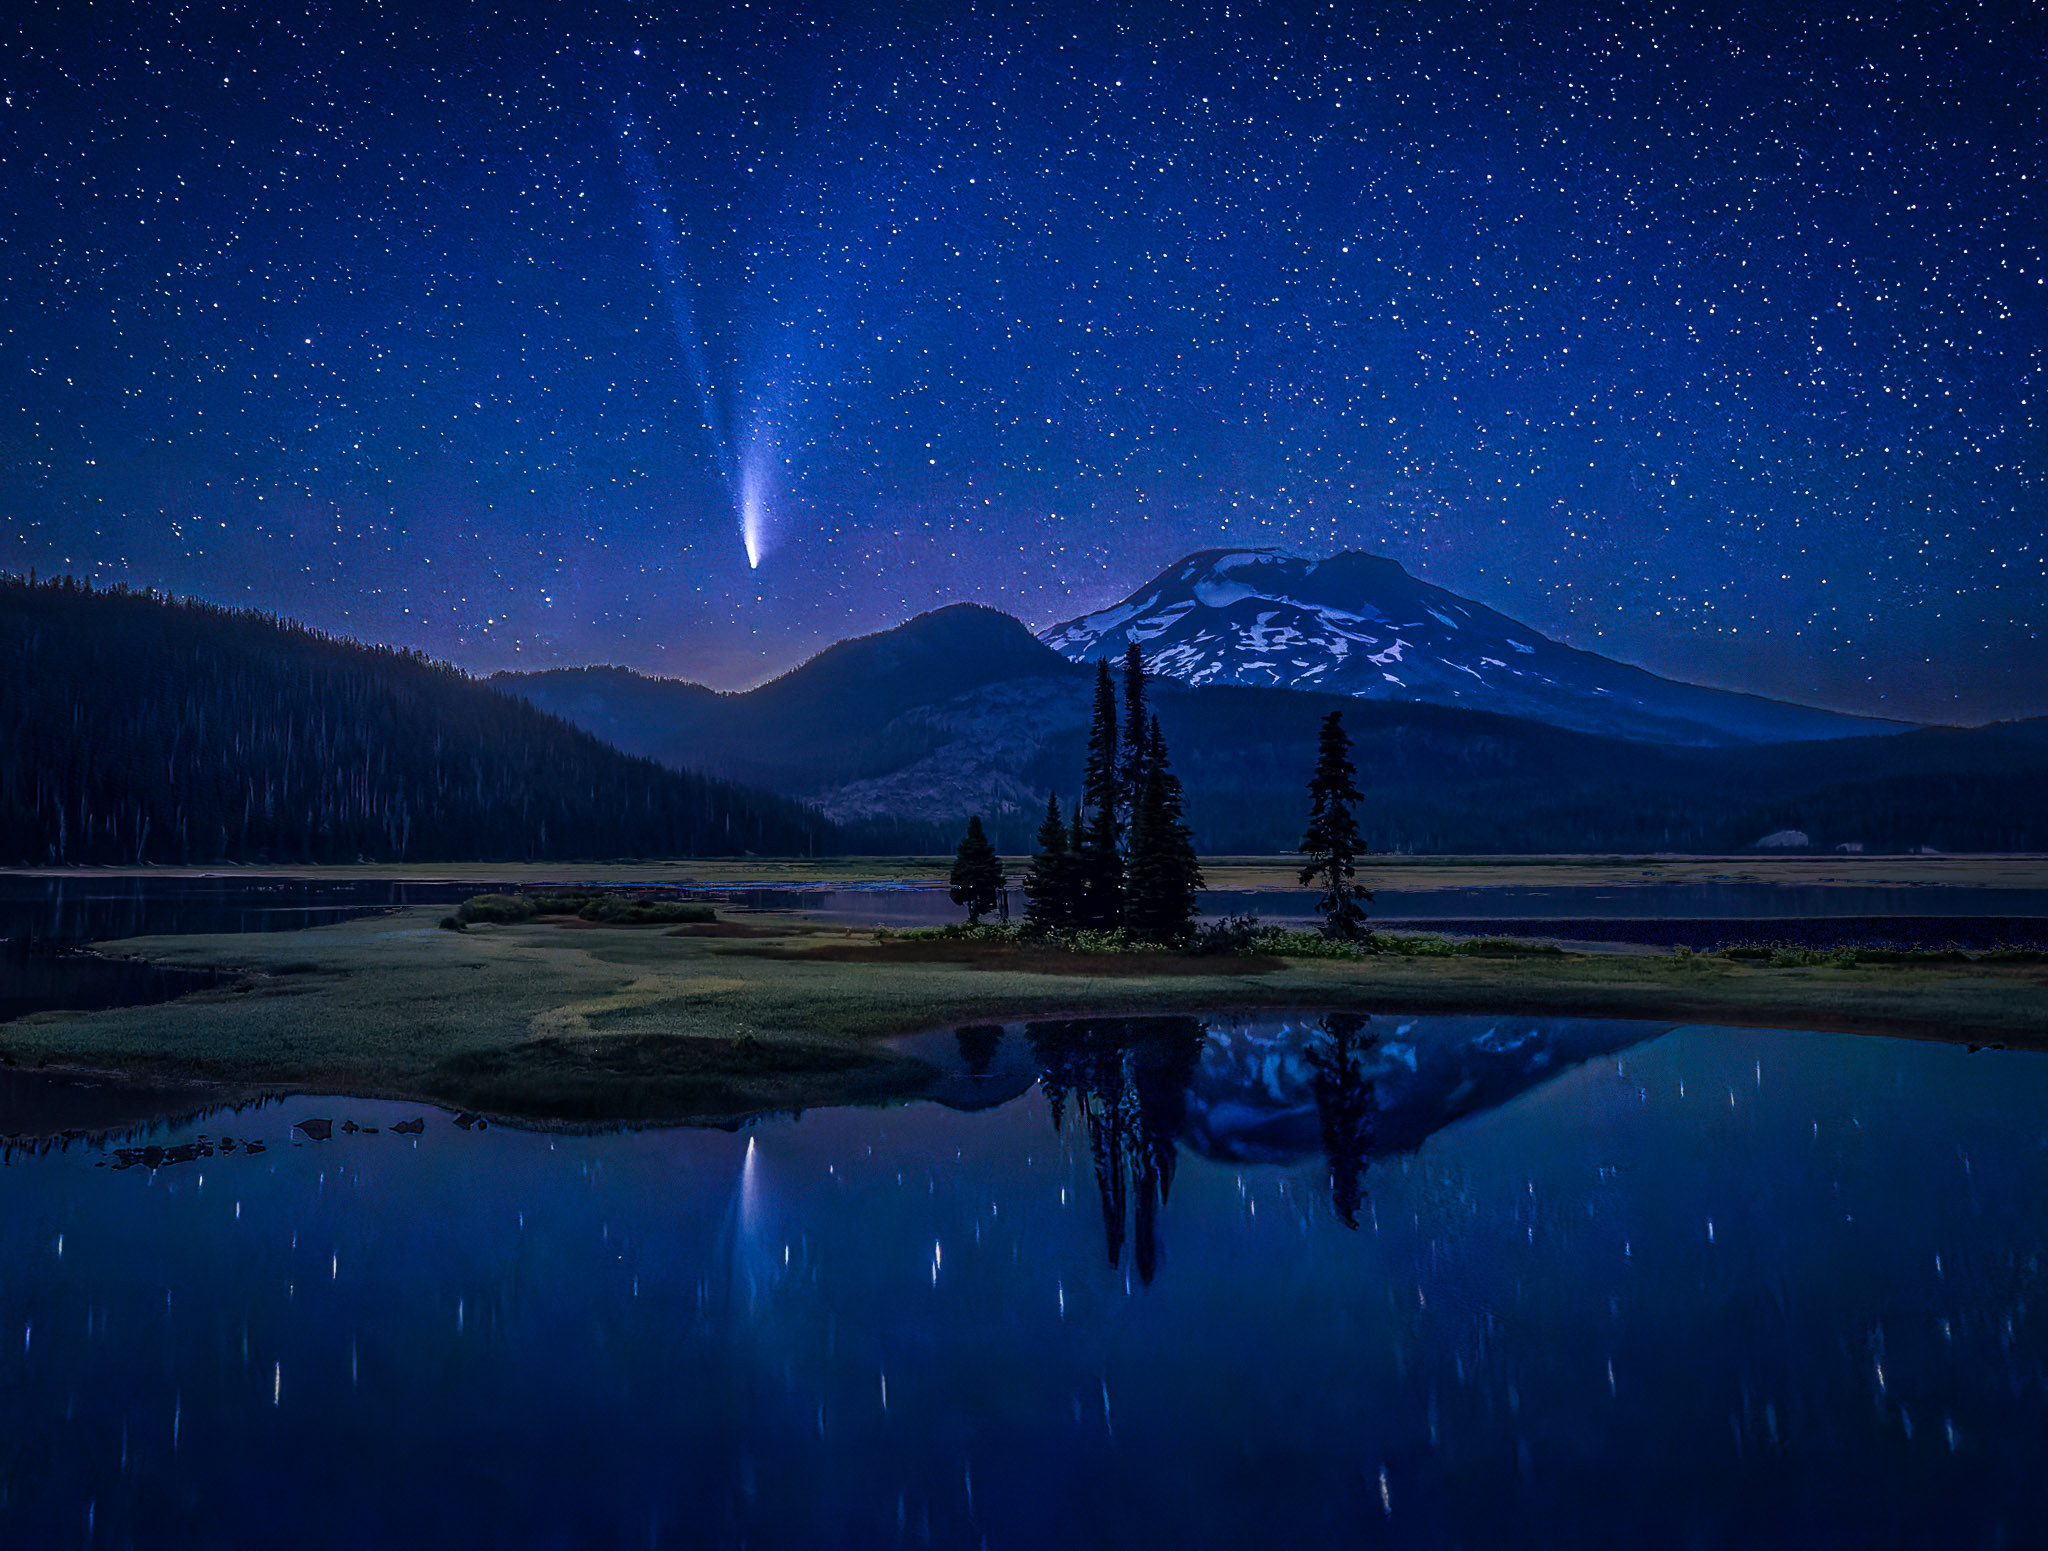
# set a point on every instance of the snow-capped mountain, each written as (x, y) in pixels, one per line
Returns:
(1359, 624)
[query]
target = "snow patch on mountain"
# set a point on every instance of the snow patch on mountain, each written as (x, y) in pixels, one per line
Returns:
(1358, 624)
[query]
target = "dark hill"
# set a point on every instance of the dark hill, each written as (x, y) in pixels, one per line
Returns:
(860, 711)
(136, 729)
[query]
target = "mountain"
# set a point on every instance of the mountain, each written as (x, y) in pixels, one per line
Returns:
(136, 729)
(957, 711)
(899, 736)
(1359, 625)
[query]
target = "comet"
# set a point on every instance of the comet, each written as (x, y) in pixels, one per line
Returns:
(746, 476)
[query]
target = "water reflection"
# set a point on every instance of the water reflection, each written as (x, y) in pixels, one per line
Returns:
(1719, 1288)
(1349, 1086)
(45, 921)
(32, 981)
(1347, 1106)
(44, 912)
(1125, 1081)
(43, 1112)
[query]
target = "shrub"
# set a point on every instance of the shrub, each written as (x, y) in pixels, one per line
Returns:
(992, 932)
(1506, 948)
(501, 909)
(1307, 945)
(1422, 945)
(616, 910)
(611, 909)
(560, 903)
(1232, 934)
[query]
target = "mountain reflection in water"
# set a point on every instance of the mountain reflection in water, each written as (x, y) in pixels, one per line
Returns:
(1256, 1090)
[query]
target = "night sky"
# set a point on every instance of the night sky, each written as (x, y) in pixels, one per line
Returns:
(1712, 338)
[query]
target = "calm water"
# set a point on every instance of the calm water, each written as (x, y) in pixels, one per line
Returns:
(929, 905)
(1411, 1282)
(44, 921)
(45, 912)
(57, 912)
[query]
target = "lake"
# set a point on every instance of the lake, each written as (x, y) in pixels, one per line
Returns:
(44, 912)
(1218, 1282)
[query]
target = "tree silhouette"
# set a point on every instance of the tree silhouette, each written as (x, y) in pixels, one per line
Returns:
(1051, 885)
(978, 1045)
(1133, 749)
(977, 873)
(1127, 1081)
(1331, 845)
(1347, 1107)
(1100, 861)
(1159, 894)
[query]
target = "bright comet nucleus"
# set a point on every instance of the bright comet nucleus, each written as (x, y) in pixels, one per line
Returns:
(753, 504)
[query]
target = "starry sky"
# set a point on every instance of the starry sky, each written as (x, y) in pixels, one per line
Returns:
(1714, 338)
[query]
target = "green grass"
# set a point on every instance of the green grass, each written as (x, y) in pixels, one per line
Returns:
(566, 1019)
(586, 905)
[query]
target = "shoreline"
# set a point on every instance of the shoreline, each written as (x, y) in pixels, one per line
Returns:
(552, 1024)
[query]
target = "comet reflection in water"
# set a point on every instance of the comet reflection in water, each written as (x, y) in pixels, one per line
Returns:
(1420, 1281)
(752, 1261)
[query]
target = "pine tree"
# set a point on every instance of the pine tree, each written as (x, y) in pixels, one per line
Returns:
(1130, 764)
(1331, 844)
(977, 873)
(1100, 862)
(1159, 897)
(1050, 884)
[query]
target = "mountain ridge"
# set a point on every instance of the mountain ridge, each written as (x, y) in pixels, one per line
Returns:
(908, 762)
(1361, 625)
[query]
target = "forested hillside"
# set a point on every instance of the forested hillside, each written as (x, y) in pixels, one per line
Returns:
(138, 729)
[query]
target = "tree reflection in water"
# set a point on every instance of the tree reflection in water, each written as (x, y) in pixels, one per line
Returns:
(1347, 1106)
(1127, 1081)
(1271, 1091)
(978, 1045)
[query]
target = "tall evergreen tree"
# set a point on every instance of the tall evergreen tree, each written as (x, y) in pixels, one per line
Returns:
(1331, 844)
(1159, 896)
(1130, 762)
(1099, 861)
(1049, 887)
(977, 873)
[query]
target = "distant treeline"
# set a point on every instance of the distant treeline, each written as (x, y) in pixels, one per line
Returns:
(1436, 779)
(137, 728)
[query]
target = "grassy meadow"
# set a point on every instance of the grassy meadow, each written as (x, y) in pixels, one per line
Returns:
(568, 1021)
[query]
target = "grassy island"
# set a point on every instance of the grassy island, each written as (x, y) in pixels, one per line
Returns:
(568, 1020)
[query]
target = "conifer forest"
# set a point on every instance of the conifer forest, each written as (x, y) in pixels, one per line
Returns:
(138, 729)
